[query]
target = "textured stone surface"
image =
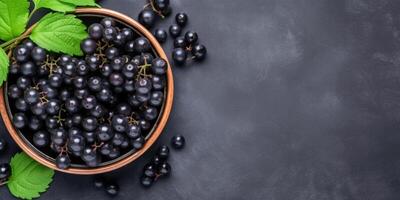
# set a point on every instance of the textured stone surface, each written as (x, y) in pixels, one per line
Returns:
(298, 99)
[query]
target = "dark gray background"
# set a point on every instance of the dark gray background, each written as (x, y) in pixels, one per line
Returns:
(298, 100)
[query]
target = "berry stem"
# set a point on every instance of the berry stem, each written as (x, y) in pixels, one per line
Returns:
(3, 183)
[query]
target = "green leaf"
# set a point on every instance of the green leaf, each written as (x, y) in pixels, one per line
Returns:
(4, 63)
(13, 18)
(29, 178)
(60, 33)
(81, 2)
(55, 5)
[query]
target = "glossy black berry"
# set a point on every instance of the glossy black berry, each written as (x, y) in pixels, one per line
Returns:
(109, 33)
(76, 143)
(19, 120)
(175, 30)
(51, 122)
(53, 106)
(38, 54)
(191, 37)
(88, 46)
(158, 82)
(59, 136)
(179, 55)
(199, 52)
(147, 18)
(150, 170)
(28, 69)
(163, 152)
(150, 113)
(129, 70)
(156, 98)
(119, 39)
(138, 142)
(159, 66)
(21, 105)
(38, 108)
(161, 35)
(93, 62)
(41, 139)
(21, 53)
(55, 80)
(29, 44)
(63, 161)
(181, 19)
(119, 123)
(142, 45)
(105, 133)
(161, 5)
(89, 123)
(134, 131)
(116, 79)
(14, 92)
(72, 105)
(180, 42)
(96, 31)
(111, 53)
(164, 169)
(5, 172)
(128, 33)
(89, 102)
(108, 22)
(146, 181)
(23, 82)
(143, 86)
(178, 142)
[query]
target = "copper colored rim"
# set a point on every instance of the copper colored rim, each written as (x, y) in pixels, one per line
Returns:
(154, 135)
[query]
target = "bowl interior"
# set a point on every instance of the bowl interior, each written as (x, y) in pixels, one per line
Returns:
(88, 19)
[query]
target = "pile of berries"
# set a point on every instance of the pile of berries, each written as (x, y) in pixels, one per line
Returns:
(157, 168)
(92, 109)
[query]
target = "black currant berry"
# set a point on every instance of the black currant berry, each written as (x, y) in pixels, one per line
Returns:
(163, 152)
(41, 139)
(88, 46)
(191, 37)
(5, 172)
(21, 53)
(180, 42)
(63, 161)
(159, 66)
(179, 55)
(146, 181)
(147, 18)
(175, 30)
(38, 54)
(161, 35)
(181, 19)
(19, 120)
(96, 31)
(108, 22)
(178, 142)
(199, 52)
(142, 45)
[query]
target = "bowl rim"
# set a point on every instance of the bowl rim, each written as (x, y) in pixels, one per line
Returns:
(157, 130)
